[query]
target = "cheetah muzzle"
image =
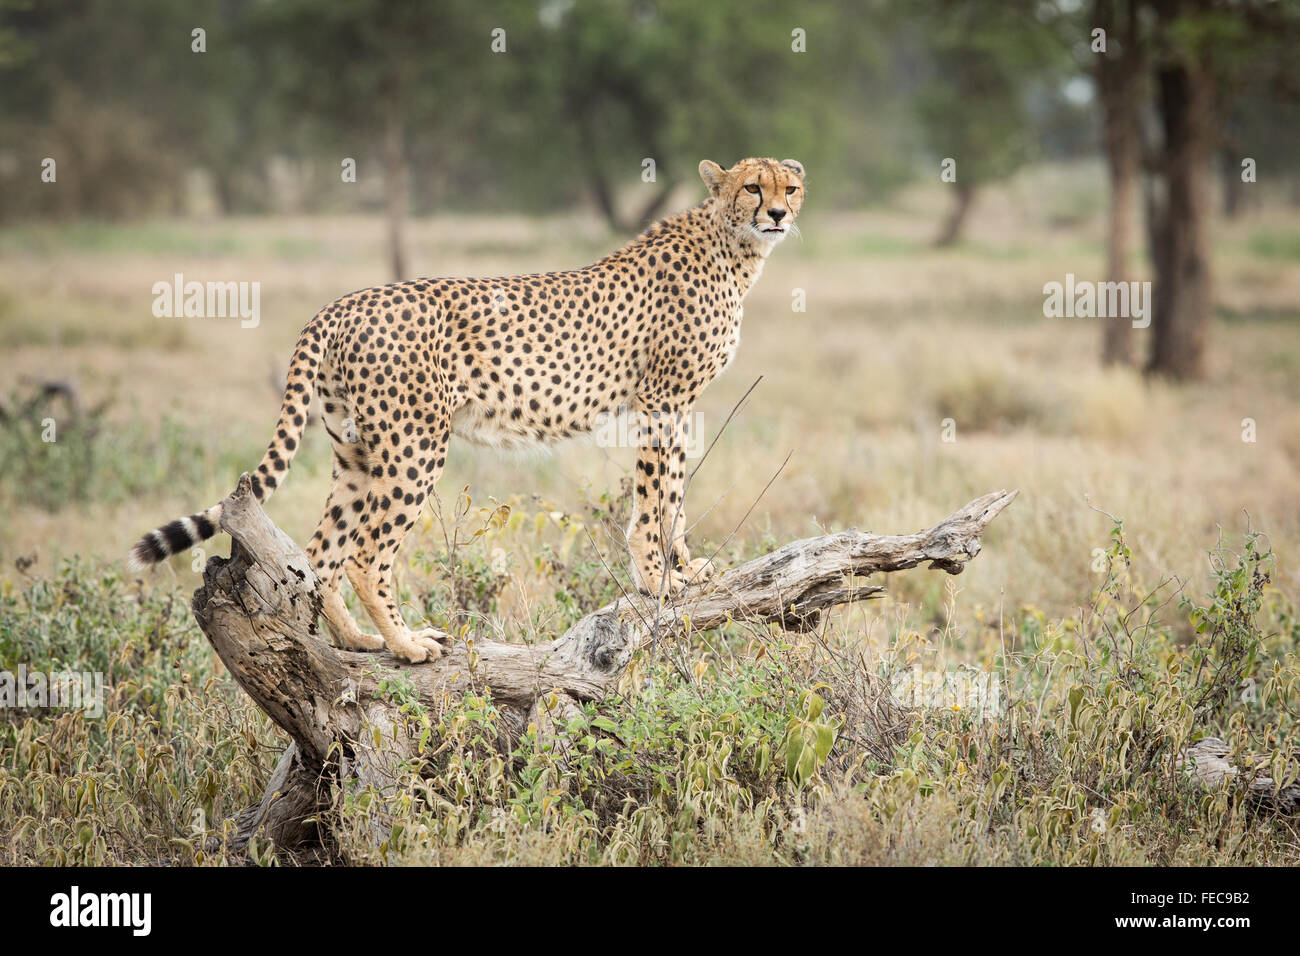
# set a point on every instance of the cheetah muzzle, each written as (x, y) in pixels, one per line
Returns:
(512, 362)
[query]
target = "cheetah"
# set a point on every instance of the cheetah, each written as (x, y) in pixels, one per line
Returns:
(516, 362)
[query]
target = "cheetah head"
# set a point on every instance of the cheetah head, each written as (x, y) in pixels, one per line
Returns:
(757, 200)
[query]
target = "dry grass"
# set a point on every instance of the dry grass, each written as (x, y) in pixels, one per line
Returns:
(895, 339)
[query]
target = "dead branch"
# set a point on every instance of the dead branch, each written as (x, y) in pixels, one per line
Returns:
(259, 609)
(1209, 765)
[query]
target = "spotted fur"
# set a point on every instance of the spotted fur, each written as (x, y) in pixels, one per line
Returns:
(512, 362)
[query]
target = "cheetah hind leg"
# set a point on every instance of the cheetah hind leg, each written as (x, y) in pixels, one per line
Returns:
(343, 627)
(393, 505)
(348, 489)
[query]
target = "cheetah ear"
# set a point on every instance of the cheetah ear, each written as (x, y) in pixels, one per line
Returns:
(713, 175)
(795, 165)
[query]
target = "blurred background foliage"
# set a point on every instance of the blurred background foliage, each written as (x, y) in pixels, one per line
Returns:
(584, 91)
(253, 107)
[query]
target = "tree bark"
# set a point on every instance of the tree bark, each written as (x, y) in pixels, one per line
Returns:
(956, 221)
(259, 609)
(654, 207)
(397, 187)
(1183, 288)
(1230, 177)
(1117, 77)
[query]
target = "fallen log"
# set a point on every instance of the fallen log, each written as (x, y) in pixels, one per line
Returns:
(260, 610)
(1209, 765)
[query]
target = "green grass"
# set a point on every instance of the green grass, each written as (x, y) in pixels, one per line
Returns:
(107, 238)
(296, 248)
(860, 246)
(71, 323)
(740, 746)
(1274, 244)
(179, 747)
(53, 457)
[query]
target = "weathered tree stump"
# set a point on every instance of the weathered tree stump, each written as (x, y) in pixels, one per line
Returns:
(260, 610)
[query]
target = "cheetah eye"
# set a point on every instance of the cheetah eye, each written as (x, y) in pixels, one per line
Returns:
(789, 190)
(753, 189)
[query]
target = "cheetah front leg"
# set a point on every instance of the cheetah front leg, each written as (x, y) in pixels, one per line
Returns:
(657, 534)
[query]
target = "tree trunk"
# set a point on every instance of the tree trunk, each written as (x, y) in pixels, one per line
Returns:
(956, 222)
(1117, 81)
(601, 189)
(397, 187)
(654, 207)
(1230, 173)
(1183, 288)
(259, 609)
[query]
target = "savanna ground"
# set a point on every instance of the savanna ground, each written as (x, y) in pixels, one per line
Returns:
(1111, 646)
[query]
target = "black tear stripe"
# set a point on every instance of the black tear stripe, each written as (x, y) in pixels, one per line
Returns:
(178, 539)
(205, 527)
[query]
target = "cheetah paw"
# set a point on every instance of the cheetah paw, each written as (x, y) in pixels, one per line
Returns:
(432, 640)
(699, 569)
(692, 572)
(420, 647)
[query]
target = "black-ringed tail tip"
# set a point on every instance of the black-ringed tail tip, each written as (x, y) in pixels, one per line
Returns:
(173, 538)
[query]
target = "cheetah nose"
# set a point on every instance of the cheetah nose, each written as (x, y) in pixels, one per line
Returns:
(777, 215)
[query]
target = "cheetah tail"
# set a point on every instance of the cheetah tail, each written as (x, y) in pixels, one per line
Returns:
(173, 538)
(184, 533)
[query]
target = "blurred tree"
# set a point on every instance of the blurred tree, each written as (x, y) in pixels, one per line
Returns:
(985, 61)
(577, 96)
(677, 81)
(1186, 72)
(1179, 207)
(1258, 93)
(369, 76)
(1118, 72)
(1204, 52)
(119, 97)
(1262, 126)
